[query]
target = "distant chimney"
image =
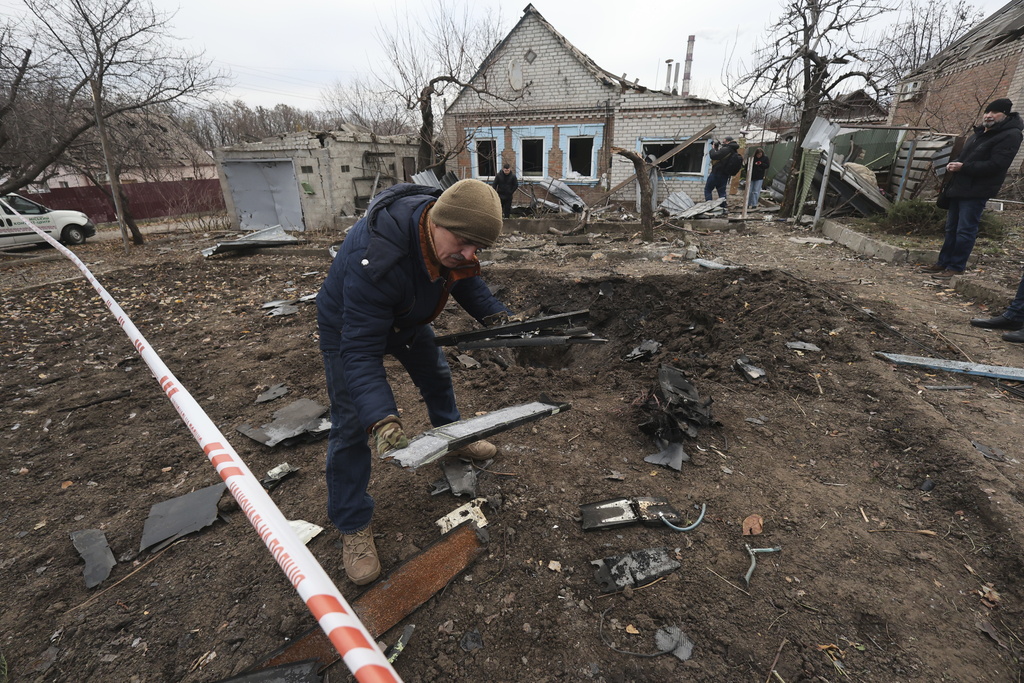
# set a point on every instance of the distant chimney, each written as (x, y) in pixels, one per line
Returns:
(668, 74)
(675, 81)
(689, 63)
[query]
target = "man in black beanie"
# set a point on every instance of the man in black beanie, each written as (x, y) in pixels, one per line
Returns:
(390, 279)
(974, 178)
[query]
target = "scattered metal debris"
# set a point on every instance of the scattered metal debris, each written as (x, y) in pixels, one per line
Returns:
(811, 240)
(470, 512)
(562, 328)
(802, 346)
(293, 672)
(950, 387)
(172, 519)
(676, 203)
(393, 651)
(646, 350)
(306, 531)
(926, 485)
(276, 391)
(712, 265)
(995, 371)
(287, 306)
(635, 569)
(671, 455)
(568, 200)
(672, 639)
(471, 641)
(989, 452)
(700, 518)
(751, 373)
(712, 206)
(616, 512)
(460, 477)
(434, 443)
(300, 420)
(268, 237)
(276, 475)
(430, 179)
(91, 544)
(754, 552)
(468, 362)
(393, 598)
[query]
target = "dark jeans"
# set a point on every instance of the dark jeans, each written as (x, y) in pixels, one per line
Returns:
(716, 181)
(349, 506)
(962, 222)
(1015, 311)
(506, 205)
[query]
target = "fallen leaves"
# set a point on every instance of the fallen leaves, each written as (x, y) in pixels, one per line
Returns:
(753, 525)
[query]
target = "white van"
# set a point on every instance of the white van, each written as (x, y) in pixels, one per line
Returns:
(69, 227)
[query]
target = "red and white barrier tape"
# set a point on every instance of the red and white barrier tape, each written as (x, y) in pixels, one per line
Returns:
(335, 616)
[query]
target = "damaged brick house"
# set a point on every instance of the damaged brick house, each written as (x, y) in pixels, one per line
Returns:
(311, 180)
(948, 93)
(543, 106)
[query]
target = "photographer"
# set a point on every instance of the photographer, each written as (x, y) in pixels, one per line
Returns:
(725, 157)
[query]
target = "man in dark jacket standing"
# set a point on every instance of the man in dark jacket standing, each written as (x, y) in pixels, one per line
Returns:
(718, 179)
(976, 177)
(505, 184)
(390, 279)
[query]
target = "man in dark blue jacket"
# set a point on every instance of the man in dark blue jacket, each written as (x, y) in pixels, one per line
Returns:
(390, 280)
(975, 177)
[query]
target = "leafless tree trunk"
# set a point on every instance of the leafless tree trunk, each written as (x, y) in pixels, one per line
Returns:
(643, 177)
(45, 103)
(812, 55)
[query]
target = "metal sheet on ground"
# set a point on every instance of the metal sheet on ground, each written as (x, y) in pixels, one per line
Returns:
(997, 371)
(396, 596)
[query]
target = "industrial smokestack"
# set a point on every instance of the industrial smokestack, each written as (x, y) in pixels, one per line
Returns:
(675, 81)
(668, 74)
(689, 63)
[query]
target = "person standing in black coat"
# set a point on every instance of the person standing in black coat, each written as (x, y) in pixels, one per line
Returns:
(975, 177)
(761, 164)
(505, 184)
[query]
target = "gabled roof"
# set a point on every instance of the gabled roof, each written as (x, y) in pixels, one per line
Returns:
(604, 76)
(1004, 26)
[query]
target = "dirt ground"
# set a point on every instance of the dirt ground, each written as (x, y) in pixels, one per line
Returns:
(831, 449)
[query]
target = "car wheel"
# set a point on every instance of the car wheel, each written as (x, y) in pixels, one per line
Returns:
(73, 234)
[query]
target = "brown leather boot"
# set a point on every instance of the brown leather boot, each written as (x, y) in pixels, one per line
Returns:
(359, 555)
(478, 450)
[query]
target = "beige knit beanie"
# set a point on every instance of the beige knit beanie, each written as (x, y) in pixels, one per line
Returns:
(470, 209)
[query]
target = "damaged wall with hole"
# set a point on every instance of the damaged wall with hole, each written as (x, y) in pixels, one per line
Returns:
(550, 111)
(310, 180)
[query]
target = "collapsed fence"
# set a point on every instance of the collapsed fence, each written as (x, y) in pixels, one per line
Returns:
(334, 615)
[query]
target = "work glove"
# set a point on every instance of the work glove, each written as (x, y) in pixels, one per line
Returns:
(388, 435)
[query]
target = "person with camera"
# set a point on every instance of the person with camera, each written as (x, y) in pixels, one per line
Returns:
(726, 163)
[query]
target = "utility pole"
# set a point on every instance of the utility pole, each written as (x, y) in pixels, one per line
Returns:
(115, 185)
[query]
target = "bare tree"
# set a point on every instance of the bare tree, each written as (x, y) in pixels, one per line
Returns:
(377, 110)
(71, 50)
(235, 122)
(427, 61)
(811, 56)
(924, 28)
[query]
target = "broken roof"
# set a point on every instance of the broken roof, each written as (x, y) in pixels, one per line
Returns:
(1005, 25)
(603, 75)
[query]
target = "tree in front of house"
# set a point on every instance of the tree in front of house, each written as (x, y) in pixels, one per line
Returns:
(811, 55)
(71, 63)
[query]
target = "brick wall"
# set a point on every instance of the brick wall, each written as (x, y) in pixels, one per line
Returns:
(558, 90)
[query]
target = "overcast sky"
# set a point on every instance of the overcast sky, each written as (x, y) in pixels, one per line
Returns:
(280, 52)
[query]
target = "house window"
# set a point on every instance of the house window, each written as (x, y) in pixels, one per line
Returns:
(690, 160)
(306, 169)
(533, 157)
(581, 156)
(530, 56)
(486, 154)
(62, 183)
(344, 169)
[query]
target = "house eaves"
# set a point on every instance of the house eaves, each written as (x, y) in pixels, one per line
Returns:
(1004, 26)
